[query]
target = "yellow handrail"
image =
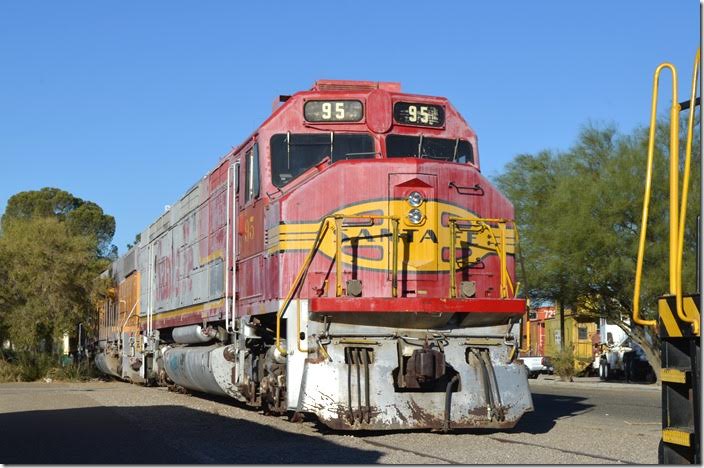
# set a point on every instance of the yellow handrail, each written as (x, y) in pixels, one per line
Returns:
(527, 322)
(500, 249)
(683, 204)
(674, 169)
(322, 230)
(339, 226)
(677, 216)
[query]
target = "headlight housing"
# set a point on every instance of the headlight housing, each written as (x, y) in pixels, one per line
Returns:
(415, 199)
(415, 216)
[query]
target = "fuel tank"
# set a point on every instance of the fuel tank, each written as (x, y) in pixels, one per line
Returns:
(208, 369)
(107, 364)
(193, 334)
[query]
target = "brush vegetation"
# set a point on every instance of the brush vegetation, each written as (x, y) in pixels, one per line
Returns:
(53, 247)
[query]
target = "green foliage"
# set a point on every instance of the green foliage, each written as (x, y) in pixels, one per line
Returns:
(563, 363)
(31, 366)
(83, 218)
(51, 253)
(50, 274)
(579, 214)
(137, 239)
(25, 367)
(73, 372)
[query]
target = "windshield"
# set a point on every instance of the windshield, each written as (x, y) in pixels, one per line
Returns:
(294, 153)
(399, 146)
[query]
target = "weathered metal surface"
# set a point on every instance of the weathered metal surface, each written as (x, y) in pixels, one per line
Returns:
(259, 237)
(206, 369)
(327, 385)
(192, 334)
(107, 364)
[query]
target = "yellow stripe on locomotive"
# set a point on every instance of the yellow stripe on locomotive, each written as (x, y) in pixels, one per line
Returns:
(366, 241)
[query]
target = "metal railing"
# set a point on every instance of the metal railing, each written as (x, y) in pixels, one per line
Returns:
(482, 224)
(507, 288)
(320, 236)
(678, 209)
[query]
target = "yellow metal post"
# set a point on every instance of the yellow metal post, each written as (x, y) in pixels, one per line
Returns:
(502, 257)
(338, 256)
(394, 266)
(674, 161)
(322, 230)
(453, 266)
(683, 204)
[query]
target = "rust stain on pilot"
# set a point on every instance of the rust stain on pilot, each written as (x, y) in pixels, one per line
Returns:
(421, 416)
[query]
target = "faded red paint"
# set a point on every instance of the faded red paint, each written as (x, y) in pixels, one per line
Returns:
(265, 277)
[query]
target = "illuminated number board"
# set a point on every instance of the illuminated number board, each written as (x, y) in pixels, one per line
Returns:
(333, 111)
(415, 113)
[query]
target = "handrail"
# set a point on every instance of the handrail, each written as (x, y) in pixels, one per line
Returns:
(519, 254)
(119, 336)
(677, 217)
(500, 249)
(683, 204)
(227, 251)
(322, 230)
(339, 226)
(674, 170)
(527, 348)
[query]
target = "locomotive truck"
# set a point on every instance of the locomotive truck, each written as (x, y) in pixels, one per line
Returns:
(348, 260)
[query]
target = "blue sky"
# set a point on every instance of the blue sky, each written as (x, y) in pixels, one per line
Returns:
(129, 103)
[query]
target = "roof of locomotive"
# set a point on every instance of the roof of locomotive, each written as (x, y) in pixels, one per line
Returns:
(282, 102)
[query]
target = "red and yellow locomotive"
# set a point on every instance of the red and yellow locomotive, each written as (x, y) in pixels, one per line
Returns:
(348, 260)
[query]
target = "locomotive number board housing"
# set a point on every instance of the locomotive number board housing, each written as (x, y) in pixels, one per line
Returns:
(421, 114)
(333, 111)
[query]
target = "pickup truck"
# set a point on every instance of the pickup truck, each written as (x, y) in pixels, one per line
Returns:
(537, 365)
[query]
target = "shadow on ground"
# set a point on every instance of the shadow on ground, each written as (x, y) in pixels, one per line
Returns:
(548, 408)
(158, 434)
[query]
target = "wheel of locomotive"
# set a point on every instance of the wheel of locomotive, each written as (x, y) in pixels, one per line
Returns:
(273, 383)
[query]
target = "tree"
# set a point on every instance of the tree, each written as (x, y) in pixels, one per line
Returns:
(137, 239)
(52, 249)
(81, 217)
(579, 212)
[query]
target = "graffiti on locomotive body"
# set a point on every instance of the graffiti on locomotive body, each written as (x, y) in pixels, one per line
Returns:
(423, 247)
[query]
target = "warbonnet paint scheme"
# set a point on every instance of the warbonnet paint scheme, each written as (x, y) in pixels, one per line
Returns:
(348, 260)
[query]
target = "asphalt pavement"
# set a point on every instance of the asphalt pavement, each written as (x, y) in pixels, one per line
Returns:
(115, 422)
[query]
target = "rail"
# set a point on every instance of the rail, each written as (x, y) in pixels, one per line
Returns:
(460, 225)
(122, 327)
(677, 210)
(683, 203)
(303, 271)
(526, 349)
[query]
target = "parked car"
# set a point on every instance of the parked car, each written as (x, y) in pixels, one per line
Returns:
(537, 365)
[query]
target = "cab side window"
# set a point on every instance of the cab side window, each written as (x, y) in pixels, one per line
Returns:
(251, 186)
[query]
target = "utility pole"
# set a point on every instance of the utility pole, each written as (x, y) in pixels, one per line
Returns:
(562, 326)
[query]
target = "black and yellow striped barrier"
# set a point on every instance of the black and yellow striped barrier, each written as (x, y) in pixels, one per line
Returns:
(681, 380)
(671, 325)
